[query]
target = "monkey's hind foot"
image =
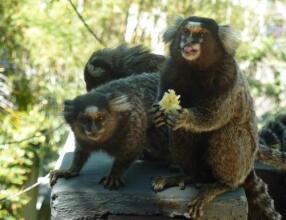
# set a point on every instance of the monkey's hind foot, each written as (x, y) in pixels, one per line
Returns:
(55, 174)
(161, 183)
(112, 182)
(206, 194)
(196, 208)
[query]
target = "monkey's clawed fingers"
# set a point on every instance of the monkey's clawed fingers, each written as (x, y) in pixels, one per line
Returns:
(173, 117)
(180, 119)
(55, 174)
(171, 120)
(159, 117)
(196, 208)
(112, 182)
(155, 108)
(161, 183)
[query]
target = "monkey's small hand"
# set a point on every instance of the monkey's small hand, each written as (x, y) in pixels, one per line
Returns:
(112, 182)
(179, 120)
(55, 174)
(172, 118)
(159, 117)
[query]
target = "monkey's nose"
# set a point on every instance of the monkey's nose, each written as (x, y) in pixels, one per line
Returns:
(90, 132)
(193, 40)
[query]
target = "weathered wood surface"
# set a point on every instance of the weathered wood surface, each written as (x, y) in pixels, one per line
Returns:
(83, 198)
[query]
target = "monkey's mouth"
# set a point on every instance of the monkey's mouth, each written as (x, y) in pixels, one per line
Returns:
(191, 52)
(93, 138)
(96, 136)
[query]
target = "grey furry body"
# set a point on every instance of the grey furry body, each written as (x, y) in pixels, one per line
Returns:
(124, 134)
(114, 63)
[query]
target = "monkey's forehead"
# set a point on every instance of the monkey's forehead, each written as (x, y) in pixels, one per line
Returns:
(196, 27)
(201, 22)
(91, 109)
(92, 112)
(193, 24)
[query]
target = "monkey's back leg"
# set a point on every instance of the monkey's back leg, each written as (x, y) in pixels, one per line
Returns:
(128, 151)
(113, 180)
(230, 155)
(186, 152)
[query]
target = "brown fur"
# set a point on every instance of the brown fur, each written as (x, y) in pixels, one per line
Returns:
(112, 118)
(215, 135)
(114, 63)
(260, 203)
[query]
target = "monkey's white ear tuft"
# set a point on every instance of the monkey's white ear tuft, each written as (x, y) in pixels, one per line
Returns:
(229, 38)
(171, 31)
(120, 103)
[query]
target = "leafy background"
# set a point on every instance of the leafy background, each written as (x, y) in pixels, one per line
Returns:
(44, 47)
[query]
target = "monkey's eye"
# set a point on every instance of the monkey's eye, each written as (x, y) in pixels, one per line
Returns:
(202, 35)
(185, 31)
(84, 120)
(100, 117)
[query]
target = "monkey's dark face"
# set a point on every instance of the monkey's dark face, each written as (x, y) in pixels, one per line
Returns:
(98, 70)
(94, 124)
(192, 36)
(199, 40)
(94, 117)
(98, 67)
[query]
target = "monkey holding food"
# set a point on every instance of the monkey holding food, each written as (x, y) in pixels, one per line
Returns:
(215, 134)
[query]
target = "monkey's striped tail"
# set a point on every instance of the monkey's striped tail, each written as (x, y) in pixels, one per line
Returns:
(271, 157)
(260, 203)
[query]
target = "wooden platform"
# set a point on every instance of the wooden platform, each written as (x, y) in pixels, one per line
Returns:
(83, 198)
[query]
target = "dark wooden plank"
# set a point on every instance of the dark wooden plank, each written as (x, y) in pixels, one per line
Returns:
(83, 198)
(133, 217)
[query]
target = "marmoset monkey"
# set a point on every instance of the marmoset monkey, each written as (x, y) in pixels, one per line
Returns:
(114, 63)
(113, 118)
(215, 134)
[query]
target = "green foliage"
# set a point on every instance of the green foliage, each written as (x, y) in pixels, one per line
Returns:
(35, 115)
(44, 47)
